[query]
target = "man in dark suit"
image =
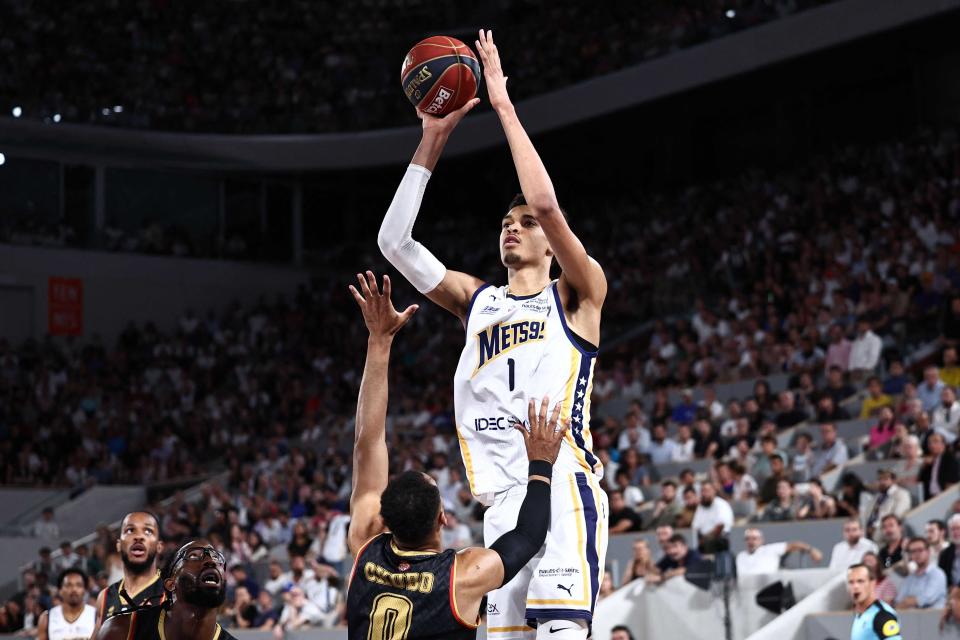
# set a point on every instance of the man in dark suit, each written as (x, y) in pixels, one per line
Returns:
(941, 470)
(949, 560)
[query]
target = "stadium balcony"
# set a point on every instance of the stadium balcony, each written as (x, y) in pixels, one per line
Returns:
(812, 30)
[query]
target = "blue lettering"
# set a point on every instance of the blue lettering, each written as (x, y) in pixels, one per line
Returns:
(489, 344)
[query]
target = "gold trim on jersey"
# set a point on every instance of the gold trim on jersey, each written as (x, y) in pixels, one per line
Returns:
(453, 597)
(581, 547)
(400, 552)
(566, 409)
(467, 459)
(163, 617)
(138, 591)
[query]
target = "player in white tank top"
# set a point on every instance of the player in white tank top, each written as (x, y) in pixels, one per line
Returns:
(530, 339)
(517, 348)
(74, 619)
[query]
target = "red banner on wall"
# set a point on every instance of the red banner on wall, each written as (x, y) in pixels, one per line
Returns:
(65, 306)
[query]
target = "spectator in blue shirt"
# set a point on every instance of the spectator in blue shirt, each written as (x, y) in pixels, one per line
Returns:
(929, 390)
(896, 380)
(927, 586)
(686, 411)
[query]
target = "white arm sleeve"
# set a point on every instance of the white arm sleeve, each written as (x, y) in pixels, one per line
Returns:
(411, 258)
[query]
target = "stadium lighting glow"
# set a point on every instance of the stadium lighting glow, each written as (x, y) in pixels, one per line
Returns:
(56, 117)
(3, 159)
(731, 13)
(105, 111)
(118, 108)
(17, 112)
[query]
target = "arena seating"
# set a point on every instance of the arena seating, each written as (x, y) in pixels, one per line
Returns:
(295, 69)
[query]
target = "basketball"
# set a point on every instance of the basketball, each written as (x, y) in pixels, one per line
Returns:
(440, 75)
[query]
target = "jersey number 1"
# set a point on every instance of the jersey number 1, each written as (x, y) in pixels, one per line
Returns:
(511, 365)
(390, 617)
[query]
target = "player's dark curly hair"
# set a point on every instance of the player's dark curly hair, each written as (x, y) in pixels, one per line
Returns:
(519, 200)
(409, 506)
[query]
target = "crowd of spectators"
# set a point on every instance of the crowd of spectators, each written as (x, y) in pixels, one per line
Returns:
(311, 66)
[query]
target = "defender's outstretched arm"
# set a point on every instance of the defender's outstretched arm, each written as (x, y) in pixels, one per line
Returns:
(371, 466)
(451, 290)
(581, 272)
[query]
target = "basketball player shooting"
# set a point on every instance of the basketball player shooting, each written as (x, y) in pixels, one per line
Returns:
(533, 338)
(403, 583)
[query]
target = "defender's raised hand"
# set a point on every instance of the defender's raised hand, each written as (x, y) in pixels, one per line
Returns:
(492, 71)
(379, 314)
(544, 437)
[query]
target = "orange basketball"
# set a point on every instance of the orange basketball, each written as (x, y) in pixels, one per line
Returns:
(440, 75)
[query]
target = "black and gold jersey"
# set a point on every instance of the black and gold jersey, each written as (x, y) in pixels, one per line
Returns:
(399, 595)
(147, 624)
(118, 600)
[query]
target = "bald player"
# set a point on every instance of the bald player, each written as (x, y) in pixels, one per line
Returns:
(196, 588)
(139, 546)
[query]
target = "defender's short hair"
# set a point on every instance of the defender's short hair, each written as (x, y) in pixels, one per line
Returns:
(71, 570)
(409, 507)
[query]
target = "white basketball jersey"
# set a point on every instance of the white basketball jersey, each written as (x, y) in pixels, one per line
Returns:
(58, 628)
(519, 347)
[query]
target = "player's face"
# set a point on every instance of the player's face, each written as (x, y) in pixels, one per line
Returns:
(198, 575)
(860, 586)
(73, 590)
(139, 543)
(521, 239)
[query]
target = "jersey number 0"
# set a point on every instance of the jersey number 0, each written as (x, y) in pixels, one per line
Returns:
(390, 617)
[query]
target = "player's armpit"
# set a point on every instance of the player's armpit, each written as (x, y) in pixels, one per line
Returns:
(365, 520)
(455, 292)
(478, 571)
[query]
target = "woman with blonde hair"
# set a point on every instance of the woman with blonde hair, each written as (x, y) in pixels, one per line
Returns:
(641, 564)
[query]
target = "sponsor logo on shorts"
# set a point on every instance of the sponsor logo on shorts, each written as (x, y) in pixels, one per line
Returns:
(569, 589)
(443, 94)
(497, 423)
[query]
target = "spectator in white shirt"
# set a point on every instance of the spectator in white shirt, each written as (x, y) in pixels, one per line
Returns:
(765, 558)
(661, 448)
(683, 452)
(298, 613)
(46, 528)
(865, 350)
(635, 435)
(454, 534)
(712, 521)
(851, 549)
(946, 416)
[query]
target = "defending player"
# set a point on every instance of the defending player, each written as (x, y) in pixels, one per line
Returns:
(402, 584)
(197, 588)
(532, 338)
(139, 545)
(874, 619)
(73, 619)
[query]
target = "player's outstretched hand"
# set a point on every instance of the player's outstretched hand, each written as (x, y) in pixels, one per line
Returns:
(492, 71)
(445, 124)
(381, 318)
(544, 437)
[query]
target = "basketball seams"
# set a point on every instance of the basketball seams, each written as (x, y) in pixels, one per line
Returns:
(440, 49)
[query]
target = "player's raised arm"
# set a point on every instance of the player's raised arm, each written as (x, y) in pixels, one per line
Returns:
(370, 463)
(451, 290)
(581, 272)
(481, 570)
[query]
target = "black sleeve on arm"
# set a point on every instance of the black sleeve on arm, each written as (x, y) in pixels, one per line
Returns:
(518, 546)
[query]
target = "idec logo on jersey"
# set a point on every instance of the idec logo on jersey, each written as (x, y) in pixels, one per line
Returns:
(499, 338)
(497, 423)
